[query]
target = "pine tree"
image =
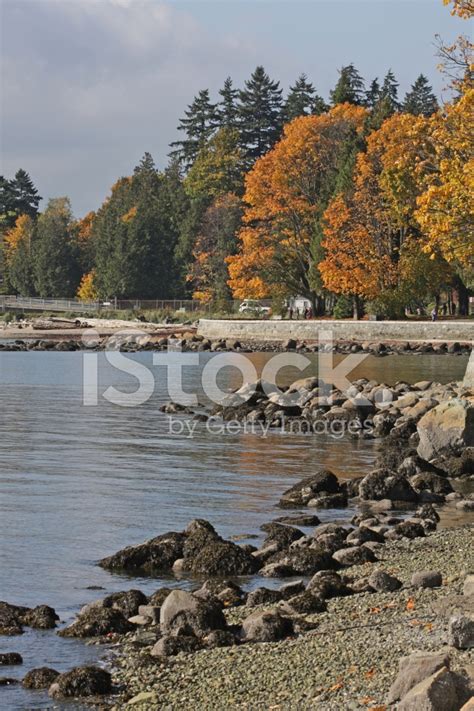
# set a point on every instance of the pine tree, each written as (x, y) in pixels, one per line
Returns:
(198, 125)
(55, 252)
(349, 87)
(7, 204)
(420, 100)
(227, 107)
(373, 94)
(389, 92)
(260, 109)
(300, 99)
(25, 195)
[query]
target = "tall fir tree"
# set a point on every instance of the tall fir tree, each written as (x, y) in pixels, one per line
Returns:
(55, 253)
(25, 195)
(227, 106)
(420, 100)
(198, 124)
(300, 99)
(349, 87)
(260, 114)
(387, 104)
(372, 95)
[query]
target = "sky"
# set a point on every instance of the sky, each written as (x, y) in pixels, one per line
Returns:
(87, 86)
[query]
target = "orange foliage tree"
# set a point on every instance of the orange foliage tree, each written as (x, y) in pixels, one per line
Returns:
(286, 193)
(374, 247)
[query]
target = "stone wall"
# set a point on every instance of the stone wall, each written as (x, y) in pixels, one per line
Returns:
(281, 330)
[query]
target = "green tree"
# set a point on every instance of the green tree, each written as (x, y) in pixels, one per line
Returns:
(302, 100)
(420, 100)
(198, 125)
(135, 237)
(349, 87)
(373, 94)
(260, 114)
(25, 195)
(227, 106)
(55, 252)
(219, 167)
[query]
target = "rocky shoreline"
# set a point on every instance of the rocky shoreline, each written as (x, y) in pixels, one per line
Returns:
(337, 604)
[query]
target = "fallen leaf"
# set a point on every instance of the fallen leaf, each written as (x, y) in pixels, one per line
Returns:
(410, 604)
(336, 687)
(369, 674)
(375, 610)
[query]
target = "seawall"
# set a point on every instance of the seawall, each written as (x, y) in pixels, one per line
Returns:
(282, 330)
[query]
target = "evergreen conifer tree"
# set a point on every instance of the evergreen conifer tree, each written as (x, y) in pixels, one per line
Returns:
(349, 87)
(260, 114)
(420, 100)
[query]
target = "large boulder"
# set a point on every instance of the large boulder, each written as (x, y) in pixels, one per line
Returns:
(438, 692)
(42, 617)
(461, 631)
(280, 534)
(304, 561)
(155, 555)
(221, 558)
(446, 429)
(185, 614)
(322, 483)
(266, 626)
(169, 645)
(127, 602)
(97, 622)
(40, 678)
(414, 668)
(385, 484)
(81, 682)
(356, 555)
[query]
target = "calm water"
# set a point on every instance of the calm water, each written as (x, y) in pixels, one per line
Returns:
(78, 483)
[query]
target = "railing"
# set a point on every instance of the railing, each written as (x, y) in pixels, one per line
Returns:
(28, 303)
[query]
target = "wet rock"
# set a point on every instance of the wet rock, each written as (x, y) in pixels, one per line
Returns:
(427, 481)
(324, 482)
(357, 555)
(41, 617)
(280, 534)
(328, 584)
(97, 622)
(266, 626)
(151, 612)
(446, 429)
(299, 520)
(159, 596)
(127, 602)
(182, 613)
(155, 555)
(169, 646)
(263, 596)
(427, 579)
(414, 668)
(306, 603)
(222, 558)
(10, 658)
(11, 618)
(8, 681)
(409, 529)
(384, 484)
(461, 631)
(382, 581)
(81, 682)
(277, 570)
(435, 693)
(40, 678)
(220, 638)
(305, 561)
(330, 501)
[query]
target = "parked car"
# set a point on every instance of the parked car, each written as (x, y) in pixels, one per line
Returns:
(249, 306)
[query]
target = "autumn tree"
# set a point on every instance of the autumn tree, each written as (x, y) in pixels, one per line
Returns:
(372, 238)
(462, 8)
(286, 193)
(216, 241)
(444, 209)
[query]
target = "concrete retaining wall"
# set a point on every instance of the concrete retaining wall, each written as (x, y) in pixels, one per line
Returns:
(342, 330)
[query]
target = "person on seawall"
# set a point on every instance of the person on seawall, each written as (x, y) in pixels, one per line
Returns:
(434, 314)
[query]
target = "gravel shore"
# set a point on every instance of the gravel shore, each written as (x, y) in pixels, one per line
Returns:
(348, 662)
